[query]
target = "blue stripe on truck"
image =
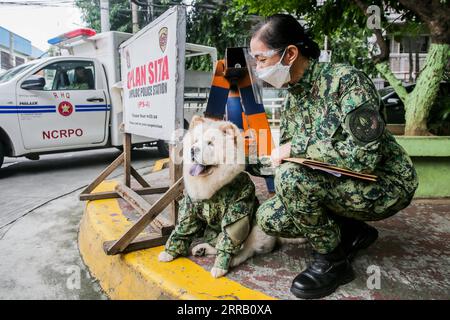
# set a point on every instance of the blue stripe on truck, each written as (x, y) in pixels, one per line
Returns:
(51, 109)
(92, 108)
(28, 107)
(28, 111)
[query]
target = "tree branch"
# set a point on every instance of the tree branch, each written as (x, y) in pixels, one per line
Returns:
(380, 41)
(435, 14)
(422, 8)
(382, 60)
(396, 84)
(382, 44)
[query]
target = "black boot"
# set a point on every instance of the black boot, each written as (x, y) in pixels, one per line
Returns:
(355, 235)
(325, 274)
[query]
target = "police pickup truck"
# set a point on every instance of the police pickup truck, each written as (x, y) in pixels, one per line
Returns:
(73, 101)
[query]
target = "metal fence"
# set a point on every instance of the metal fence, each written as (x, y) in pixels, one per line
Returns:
(195, 100)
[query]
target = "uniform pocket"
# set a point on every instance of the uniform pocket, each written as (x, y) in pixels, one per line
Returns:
(330, 122)
(384, 198)
(299, 143)
(372, 192)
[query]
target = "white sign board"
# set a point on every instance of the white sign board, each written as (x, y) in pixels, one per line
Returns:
(152, 67)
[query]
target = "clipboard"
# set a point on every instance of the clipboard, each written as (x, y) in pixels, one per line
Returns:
(336, 171)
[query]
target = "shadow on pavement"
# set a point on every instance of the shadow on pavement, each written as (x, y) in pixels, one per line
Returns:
(77, 160)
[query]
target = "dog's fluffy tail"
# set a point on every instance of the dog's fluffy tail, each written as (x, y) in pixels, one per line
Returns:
(257, 243)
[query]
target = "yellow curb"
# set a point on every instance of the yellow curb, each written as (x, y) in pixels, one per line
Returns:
(139, 274)
(160, 164)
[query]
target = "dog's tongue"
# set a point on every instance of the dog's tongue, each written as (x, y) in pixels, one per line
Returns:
(196, 169)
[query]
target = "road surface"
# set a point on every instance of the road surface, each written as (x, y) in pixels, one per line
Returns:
(39, 219)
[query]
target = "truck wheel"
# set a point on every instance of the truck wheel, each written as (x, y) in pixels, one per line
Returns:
(163, 148)
(2, 154)
(120, 148)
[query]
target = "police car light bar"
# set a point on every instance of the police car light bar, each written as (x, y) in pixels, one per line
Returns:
(86, 32)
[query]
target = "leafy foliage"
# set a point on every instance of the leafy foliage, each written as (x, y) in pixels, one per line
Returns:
(345, 23)
(342, 22)
(209, 22)
(221, 26)
(120, 14)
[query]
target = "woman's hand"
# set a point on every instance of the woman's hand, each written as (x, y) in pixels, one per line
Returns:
(280, 153)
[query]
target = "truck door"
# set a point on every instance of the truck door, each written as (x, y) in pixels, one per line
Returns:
(69, 111)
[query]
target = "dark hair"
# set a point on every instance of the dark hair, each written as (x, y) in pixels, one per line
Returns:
(281, 30)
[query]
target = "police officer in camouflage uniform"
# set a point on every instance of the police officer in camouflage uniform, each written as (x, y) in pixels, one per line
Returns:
(331, 114)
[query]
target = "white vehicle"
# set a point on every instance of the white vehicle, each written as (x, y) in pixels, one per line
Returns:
(73, 101)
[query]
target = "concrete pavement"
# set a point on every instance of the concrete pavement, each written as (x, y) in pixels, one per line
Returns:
(40, 257)
(26, 184)
(40, 214)
(409, 260)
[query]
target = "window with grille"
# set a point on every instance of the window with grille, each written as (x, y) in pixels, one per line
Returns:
(19, 61)
(5, 60)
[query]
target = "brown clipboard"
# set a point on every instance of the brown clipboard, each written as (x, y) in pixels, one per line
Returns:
(336, 171)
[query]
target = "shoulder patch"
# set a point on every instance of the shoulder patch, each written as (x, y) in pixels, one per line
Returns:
(365, 124)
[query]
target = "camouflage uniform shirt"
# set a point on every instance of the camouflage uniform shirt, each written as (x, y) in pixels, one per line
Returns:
(314, 120)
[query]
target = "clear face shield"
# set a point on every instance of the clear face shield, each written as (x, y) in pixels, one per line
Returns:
(276, 74)
(257, 84)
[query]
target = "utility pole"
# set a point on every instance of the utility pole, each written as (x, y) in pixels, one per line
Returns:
(134, 17)
(150, 10)
(104, 15)
(12, 62)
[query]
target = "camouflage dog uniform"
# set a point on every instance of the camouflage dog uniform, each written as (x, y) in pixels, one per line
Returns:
(223, 221)
(333, 115)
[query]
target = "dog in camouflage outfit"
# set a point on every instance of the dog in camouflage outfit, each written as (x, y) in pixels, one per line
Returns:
(219, 204)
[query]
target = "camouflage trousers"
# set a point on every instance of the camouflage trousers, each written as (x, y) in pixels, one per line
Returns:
(306, 201)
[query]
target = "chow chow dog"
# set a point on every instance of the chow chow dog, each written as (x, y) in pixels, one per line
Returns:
(213, 173)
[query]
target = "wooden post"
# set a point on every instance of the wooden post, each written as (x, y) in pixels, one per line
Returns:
(138, 178)
(86, 193)
(142, 207)
(127, 158)
(114, 194)
(121, 244)
(175, 173)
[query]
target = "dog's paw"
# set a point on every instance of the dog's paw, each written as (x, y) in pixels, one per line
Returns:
(237, 261)
(217, 272)
(203, 249)
(165, 257)
(199, 250)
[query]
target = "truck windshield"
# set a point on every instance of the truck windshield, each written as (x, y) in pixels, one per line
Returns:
(11, 73)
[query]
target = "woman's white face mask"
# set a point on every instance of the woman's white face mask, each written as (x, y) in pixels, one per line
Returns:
(276, 75)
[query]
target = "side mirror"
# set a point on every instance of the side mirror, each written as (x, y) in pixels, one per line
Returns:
(392, 101)
(33, 83)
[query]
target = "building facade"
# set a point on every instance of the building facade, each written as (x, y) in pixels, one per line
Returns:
(15, 50)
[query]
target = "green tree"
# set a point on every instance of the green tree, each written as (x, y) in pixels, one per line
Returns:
(209, 22)
(349, 45)
(219, 24)
(336, 15)
(119, 14)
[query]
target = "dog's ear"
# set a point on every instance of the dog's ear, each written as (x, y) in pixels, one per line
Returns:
(196, 120)
(229, 128)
